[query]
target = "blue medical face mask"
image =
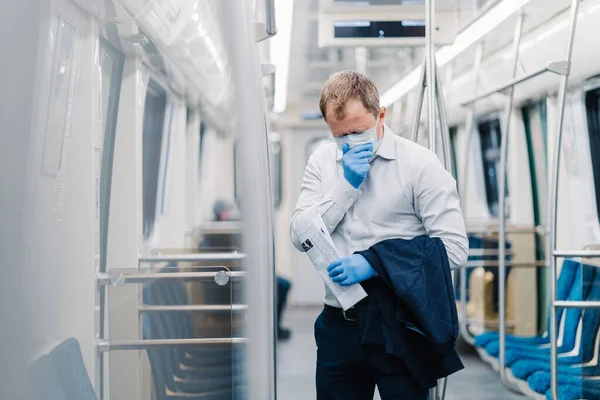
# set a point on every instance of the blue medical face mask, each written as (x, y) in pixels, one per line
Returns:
(355, 139)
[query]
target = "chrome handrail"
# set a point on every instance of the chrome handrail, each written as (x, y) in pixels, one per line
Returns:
(553, 203)
(556, 67)
(113, 278)
(194, 307)
(105, 345)
(192, 257)
(493, 264)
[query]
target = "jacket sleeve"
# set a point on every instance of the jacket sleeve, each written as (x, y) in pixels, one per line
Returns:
(438, 205)
(331, 206)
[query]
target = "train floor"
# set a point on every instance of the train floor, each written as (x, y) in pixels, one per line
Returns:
(296, 366)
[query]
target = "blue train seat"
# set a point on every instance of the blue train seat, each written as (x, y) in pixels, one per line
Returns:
(62, 374)
(579, 291)
(570, 371)
(570, 392)
(563, 287)
(539, 382)
(210, 377)
(44, 380)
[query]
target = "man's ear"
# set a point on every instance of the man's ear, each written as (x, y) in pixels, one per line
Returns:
(381, 114)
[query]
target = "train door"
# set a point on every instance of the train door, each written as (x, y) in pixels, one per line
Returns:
(308, 285)
(61, 183)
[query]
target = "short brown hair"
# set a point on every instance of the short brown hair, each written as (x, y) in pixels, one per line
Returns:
(349, 85)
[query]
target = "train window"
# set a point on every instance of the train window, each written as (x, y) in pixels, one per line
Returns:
(490, 137)
(202, 134)
(61, 99)
(592, 105)
(154, 115)
(534, 120)
(275, 161)
(453, 132)
(111, 64)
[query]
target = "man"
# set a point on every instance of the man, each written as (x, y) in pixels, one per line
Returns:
(369, 186)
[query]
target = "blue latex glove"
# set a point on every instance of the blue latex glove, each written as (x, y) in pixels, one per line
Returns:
(356, 162)
(349, 270)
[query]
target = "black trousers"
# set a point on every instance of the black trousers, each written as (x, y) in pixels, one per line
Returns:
(346, 372)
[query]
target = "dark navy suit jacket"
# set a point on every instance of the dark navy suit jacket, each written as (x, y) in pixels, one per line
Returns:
(410, 308)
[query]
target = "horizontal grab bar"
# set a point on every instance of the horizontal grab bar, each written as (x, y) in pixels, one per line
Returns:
(557, 67)
(494, 264)
(576, 253)
(576, 304)
(476, 251)
(219, 227)
(119, 279)
(539, 230)
(103, 345)
(192, 257)
(196, 307)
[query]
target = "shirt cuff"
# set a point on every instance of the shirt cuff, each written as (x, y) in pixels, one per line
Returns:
(343, 194)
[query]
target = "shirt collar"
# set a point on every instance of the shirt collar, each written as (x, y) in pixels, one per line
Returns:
(387, 148)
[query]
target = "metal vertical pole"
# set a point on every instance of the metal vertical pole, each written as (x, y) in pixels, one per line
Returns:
(430, 86)
(553, 203)
(463, 194)
(430, 71)
(469, 122)
(419, 104)
(256, 204)
(445, 130)
(502, 206)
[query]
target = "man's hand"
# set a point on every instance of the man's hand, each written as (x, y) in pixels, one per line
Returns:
(349, 270)
(356, 162)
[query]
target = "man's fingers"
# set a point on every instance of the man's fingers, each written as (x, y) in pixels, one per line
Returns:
(362, 147)
(345, 148)
(346, 282)
(363, 154)
(334, 264)
(336, 271)
(341, 277)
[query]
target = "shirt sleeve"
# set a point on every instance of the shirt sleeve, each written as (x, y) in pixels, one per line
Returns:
(331, 206)
(438, 205)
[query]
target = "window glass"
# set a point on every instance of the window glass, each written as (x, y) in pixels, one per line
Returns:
(275, 161)
(202, 133)
(490, 138)
(534, 121)
(111, 64)
(154, 115)
(592, 104)
(61, 98)
(453, 132)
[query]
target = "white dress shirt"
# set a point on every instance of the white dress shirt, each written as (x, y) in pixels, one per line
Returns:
(406, 193)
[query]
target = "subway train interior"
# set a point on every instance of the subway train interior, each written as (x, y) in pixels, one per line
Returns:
(152, 153)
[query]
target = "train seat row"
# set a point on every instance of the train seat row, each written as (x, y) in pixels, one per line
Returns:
(210, 372)
(60, 375)
(528, 358)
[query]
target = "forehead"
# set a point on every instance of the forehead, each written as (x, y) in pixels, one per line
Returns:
(355, 118)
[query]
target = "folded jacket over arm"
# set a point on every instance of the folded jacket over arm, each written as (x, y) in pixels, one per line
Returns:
(411, 308)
